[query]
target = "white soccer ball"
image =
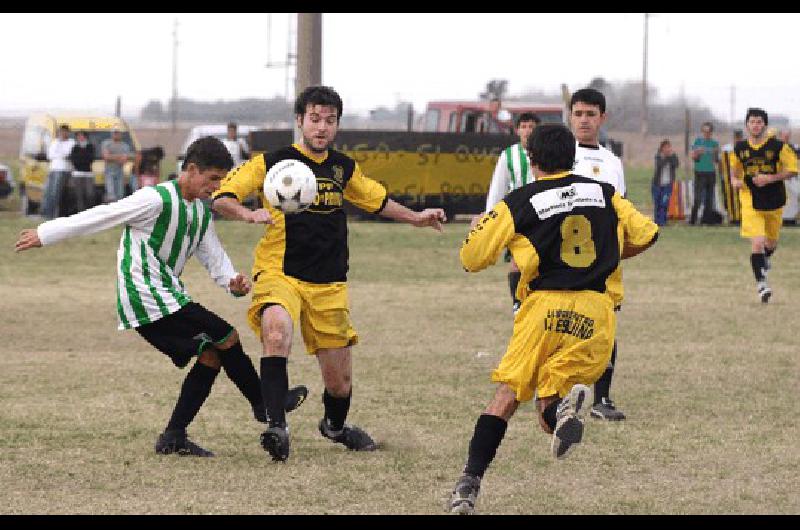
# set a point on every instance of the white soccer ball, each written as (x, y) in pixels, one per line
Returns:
(290, 186)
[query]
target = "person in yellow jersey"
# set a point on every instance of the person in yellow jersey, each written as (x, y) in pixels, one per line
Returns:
(567, 233)
(301, 265)
(758, 168)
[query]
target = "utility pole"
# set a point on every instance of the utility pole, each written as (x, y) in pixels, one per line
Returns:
(118, 107)
(309, 54)
(291, 56)
(174, 106)
(644, 79)
(309, 51)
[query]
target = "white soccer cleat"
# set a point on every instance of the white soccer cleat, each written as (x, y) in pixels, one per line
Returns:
(569, 420)
(764, 292)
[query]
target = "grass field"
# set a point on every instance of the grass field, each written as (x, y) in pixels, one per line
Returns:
(707, 375)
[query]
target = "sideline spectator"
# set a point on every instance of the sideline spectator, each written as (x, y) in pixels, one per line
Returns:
(237, 147)
(705, 153)
(60, 169)
(82, 181)
(115, 153)
(663, 177)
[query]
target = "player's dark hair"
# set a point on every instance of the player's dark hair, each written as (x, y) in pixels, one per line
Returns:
(709, 125)
(529, 116)
(589, 96)
(232, 125)
(663, 143)
(755, 111)
(551, 147)
(64, 127)
(208, 152)
(318, 95)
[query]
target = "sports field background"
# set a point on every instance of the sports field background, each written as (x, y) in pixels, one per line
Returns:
(707, 375)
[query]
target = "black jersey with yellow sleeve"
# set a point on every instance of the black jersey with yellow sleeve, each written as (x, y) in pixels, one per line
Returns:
(770, 157)
(566, 233)
(310, 245)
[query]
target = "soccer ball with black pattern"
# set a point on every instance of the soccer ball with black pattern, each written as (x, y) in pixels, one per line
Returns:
(290, 186)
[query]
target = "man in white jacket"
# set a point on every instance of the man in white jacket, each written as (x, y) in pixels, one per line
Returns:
(164, 226)
(60, 168)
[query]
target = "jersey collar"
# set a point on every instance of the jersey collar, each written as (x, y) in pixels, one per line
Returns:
(588, 146)
(553, 176)
(316, 158)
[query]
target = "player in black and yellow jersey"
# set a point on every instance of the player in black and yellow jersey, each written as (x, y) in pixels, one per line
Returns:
(567, 233)
(301, 264)
(758, 168)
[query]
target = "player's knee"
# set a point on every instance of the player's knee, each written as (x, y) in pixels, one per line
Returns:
(209, 357)
(276, 340)
(231, 341)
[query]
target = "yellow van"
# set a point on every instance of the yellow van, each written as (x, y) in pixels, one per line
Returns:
(40, 129)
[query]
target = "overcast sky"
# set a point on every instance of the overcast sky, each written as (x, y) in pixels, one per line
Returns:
(83, 61)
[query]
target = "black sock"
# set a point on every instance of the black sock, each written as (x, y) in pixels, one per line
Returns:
(489, 432)
(758, 262)
(768, 252)
(274, 387)
(513, 281)
(194, 392)
(336, 409)
(602, 388)
(549, 413)
(241, 371)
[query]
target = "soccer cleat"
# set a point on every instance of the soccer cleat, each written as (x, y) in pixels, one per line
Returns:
(462, 501)
(172, 442)
(294, 399)
(764, 292)
(605, 410)
(569, 420)
(350, 436)
(275, 441)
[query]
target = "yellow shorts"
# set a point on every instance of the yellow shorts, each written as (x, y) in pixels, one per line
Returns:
(321, 309)
(763, 223)
(560, 338)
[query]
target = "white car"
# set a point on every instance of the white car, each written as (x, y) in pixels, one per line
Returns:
(219, 130)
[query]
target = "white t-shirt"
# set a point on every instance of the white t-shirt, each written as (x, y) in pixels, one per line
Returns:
(601, 164)
(58, 154)
(236, 148)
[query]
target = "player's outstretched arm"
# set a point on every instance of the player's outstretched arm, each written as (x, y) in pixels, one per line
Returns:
(231, 208)
(28, 238)
(433, 217)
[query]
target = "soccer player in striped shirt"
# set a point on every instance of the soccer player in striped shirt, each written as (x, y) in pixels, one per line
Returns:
(164, 226)
(511, 172)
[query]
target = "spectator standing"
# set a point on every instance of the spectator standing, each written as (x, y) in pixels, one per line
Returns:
(237, 147)
(82, 180)
(663, 177)
(705, 153)
(60, 169)
(115, 153)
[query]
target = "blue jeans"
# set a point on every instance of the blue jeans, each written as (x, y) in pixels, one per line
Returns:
(661, 195)
(53, 193)
(115, 186)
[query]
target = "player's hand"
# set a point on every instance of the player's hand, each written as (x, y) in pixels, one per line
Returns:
(736, 183)
(28, 238)
(259, 216)
(761, 180)
(475, 220)
(239, 285)
(433, 217)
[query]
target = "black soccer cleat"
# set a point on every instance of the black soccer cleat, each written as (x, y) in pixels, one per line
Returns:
(764, 292)
(275, 441)
(294, 398)
(605, 410)
(173, 442)
(350, 436)
(462, 501)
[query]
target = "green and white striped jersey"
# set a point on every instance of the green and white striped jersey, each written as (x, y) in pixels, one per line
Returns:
(162, 231)
(511, 172)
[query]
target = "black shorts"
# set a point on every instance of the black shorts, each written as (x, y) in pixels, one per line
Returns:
(185, 333)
